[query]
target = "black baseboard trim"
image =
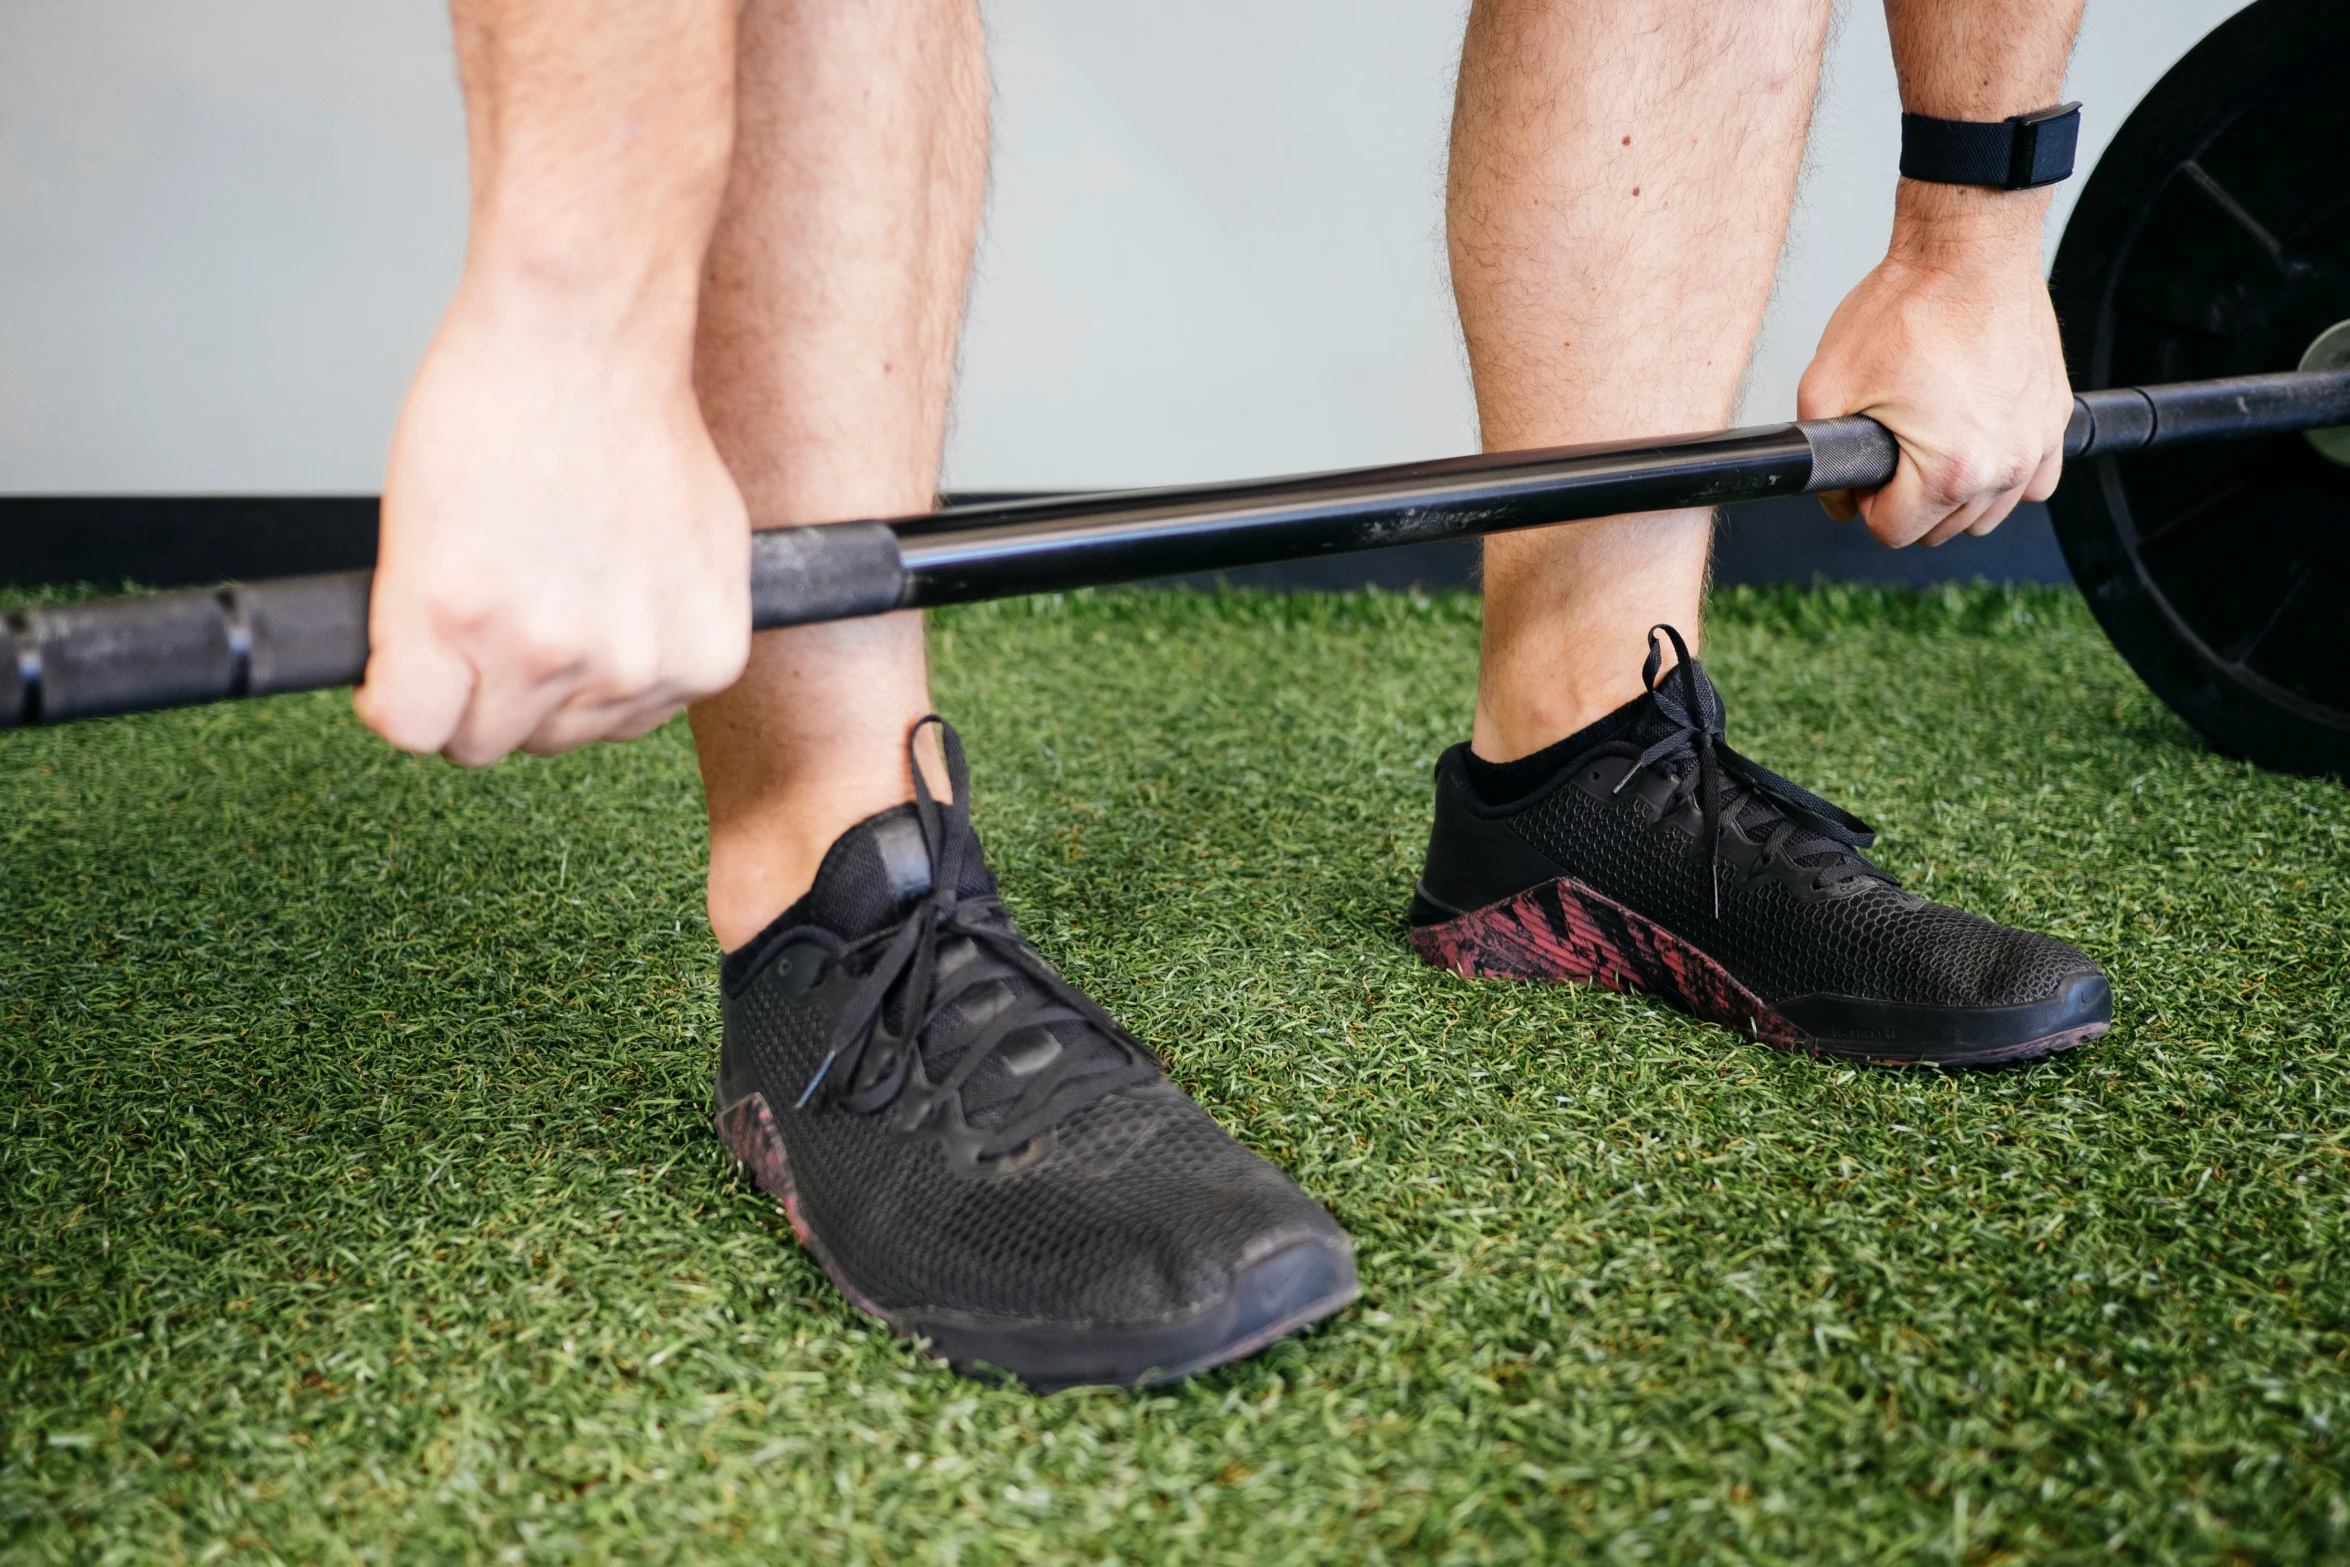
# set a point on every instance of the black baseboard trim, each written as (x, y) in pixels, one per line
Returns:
(1792, 540)
(181, 541)
(187, 541)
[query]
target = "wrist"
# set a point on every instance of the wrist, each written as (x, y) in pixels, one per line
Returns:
(1950, 227)
(612, 263)
(636, 303)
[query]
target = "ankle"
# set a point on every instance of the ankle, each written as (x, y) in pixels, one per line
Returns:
(764, 859)
(1532, 693)
(1507, 731)
(1567, 612)
(811, 741)
(748, 888)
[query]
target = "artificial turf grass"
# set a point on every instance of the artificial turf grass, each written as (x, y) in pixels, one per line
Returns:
(361, 1201)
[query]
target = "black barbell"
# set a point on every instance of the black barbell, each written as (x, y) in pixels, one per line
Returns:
(109, 656)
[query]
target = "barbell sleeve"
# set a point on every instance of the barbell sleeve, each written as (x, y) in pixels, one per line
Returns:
(2134, 418)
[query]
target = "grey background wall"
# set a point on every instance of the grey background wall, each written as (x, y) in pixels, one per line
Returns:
(1213, 248)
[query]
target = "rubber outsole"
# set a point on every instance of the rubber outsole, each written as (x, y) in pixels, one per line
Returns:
(1272, 1297)
(1564, 932)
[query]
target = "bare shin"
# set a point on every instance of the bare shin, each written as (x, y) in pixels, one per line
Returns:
(1621, 177)
(831, 300)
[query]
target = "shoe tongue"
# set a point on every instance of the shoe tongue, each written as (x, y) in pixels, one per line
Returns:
(1758, 813)
(881, 865)
(869, 878)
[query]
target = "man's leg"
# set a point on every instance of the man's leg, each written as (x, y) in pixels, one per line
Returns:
(978, 1155)
(1621, 177)
(832, 295)
(1622, 173)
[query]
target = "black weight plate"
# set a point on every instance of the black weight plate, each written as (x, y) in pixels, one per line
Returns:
(2214, 239)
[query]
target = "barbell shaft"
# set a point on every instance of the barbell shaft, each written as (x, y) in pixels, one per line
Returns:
(1076, 541)
(107, 656)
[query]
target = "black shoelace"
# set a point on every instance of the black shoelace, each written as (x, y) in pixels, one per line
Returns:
(904, 989)
(1697, 737)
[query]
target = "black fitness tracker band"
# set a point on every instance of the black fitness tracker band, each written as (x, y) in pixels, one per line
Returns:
(2018, 153)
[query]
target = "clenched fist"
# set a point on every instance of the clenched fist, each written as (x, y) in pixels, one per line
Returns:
(1951, 344)
(564, 558)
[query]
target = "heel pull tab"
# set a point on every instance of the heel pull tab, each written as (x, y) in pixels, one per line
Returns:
(905, 858)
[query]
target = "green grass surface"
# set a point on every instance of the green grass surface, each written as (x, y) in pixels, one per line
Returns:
(360, 1199)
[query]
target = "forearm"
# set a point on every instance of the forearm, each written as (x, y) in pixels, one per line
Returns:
(564, 556)
(1976, 60)
(598, 135)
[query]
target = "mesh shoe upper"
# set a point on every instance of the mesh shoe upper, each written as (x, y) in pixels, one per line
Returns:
(1801, 910)
(988, 1143)
(1866, 937)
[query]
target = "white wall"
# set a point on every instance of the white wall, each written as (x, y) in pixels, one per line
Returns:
(226, 227)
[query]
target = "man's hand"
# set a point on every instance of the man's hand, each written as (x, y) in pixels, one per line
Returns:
(564, 558)
(1951, 342)
(1952, 345)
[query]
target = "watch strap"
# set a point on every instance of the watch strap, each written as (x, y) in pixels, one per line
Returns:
(2021, 152)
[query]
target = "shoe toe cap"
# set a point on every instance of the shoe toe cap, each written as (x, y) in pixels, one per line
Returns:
(1195, 1243)
(1162, 1277)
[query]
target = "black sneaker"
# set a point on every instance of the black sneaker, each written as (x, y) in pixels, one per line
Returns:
(1644, 854)
(977, 1154)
